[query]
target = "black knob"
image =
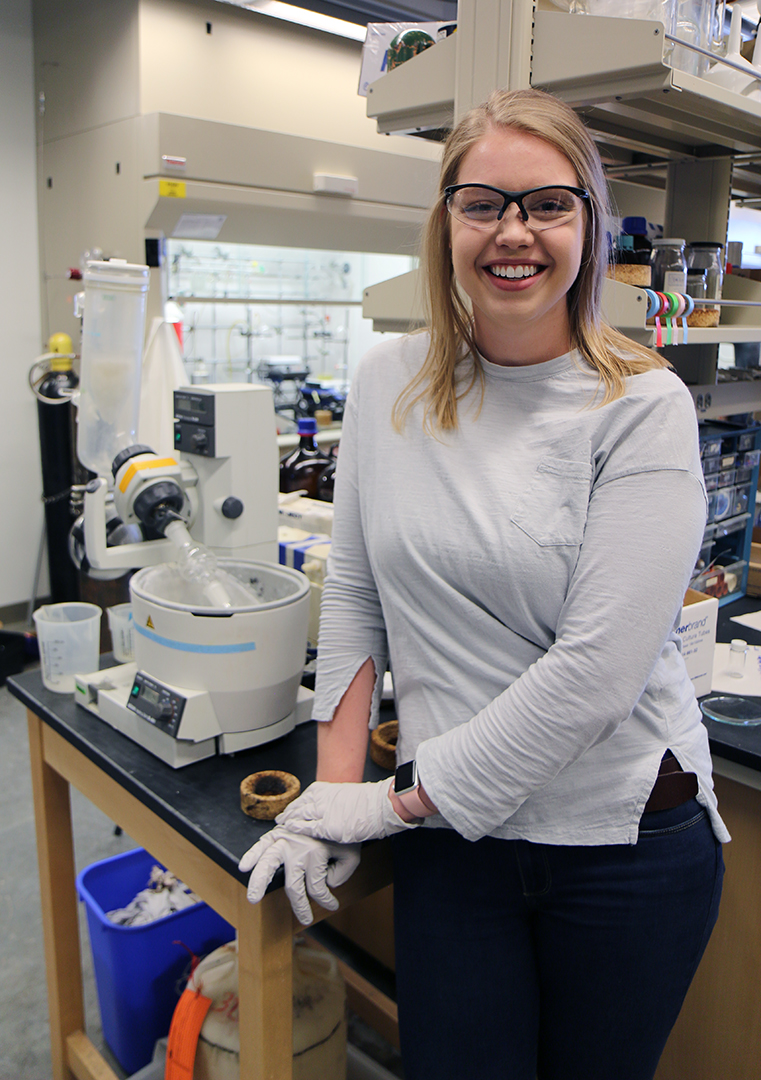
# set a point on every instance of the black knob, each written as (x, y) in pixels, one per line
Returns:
(199, 439)
(232, 507)
(166, 711)
(130, 452)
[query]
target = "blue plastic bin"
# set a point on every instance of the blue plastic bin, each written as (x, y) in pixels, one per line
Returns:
(139, 969)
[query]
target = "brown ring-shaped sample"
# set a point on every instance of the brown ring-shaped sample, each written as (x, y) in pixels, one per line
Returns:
(383, 744)
(264, 794)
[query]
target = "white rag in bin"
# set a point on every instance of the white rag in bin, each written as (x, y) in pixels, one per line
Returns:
(165, 895)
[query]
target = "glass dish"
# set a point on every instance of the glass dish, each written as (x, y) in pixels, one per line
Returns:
(740, 711)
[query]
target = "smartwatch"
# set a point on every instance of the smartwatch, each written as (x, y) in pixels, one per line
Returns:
(406, 785)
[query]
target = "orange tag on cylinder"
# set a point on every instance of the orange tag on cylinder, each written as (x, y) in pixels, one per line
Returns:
(187, 1022)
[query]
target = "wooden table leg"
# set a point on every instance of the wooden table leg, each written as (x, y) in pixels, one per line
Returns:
(265, 960)
(55, 857)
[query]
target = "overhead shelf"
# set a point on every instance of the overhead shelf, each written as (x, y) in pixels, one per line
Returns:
(614, 71)
(417, 98)
(397, 306)
(623, 86)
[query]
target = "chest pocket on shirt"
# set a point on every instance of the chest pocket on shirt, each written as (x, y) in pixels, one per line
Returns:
(553, 511)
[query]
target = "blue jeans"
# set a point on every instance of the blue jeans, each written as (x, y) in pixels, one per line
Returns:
(518, 961)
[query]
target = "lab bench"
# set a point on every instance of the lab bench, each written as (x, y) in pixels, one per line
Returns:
(190, 820)
(718, 1033)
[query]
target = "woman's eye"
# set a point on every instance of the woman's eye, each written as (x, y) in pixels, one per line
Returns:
(481, 209)
(549, 206)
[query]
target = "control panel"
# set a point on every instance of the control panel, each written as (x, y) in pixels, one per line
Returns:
(194, 420)
(156, 703)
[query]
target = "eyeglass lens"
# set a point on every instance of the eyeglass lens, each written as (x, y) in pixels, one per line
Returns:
(545, 208)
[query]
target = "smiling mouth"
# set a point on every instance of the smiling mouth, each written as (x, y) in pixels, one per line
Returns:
(511, 272)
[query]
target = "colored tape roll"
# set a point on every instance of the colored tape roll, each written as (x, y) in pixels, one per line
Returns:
(652, 302)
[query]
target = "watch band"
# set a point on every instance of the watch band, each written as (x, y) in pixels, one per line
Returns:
(411, 801)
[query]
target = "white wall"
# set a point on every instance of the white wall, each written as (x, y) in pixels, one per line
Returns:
(20, 482)
(258, 72)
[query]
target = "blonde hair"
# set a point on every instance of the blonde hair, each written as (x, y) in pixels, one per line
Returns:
(452, 340)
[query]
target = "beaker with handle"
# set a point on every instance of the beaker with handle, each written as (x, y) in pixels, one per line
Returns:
(69, 638)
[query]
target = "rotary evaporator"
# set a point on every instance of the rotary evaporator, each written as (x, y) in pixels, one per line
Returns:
(220, 629)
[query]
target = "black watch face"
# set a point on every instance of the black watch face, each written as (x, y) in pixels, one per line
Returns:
(405, 777)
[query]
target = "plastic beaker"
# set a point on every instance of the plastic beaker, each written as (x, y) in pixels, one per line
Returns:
(69, 639)
(120, 625)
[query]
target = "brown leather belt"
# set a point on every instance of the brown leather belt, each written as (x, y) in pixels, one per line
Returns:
(672, 786)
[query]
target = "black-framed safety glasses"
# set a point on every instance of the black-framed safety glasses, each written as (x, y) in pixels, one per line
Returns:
(483, 206)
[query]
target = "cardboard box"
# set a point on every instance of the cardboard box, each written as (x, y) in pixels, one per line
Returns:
(753, 587)
(697, 630)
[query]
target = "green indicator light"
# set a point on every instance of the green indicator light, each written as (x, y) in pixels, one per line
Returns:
(135, 691)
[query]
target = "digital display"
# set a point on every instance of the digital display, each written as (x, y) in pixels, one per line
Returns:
(185, 404)
(150, 695)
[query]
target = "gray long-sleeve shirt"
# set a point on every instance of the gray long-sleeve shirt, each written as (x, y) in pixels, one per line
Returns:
(524, 575)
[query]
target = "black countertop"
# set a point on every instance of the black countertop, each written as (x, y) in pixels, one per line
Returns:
(201, 801)
(729, 741)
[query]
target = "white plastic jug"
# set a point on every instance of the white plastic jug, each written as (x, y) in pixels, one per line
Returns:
(69, 639)
(319, 1015)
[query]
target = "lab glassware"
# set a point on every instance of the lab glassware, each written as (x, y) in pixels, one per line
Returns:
(669, 265)
(707, 256)
(69, 638)
(112, 354)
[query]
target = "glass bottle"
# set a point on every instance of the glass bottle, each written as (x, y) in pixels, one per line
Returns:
(696, 283)
(669, 265)
(300, 468)
(738, 650)
(708, 256)
(326, 482)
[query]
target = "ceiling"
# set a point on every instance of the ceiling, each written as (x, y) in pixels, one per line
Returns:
(362, 12)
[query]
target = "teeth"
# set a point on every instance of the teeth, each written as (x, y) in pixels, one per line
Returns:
(514, 271)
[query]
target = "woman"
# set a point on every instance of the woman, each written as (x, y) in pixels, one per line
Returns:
(519, 505)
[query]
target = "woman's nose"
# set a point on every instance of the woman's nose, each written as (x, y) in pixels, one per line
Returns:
(512, 229)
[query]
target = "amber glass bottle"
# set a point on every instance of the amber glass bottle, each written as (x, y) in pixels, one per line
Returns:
(326, 482)
(300, 468)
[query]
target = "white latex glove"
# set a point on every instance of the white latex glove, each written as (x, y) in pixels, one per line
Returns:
(344, 813)
(310, 867)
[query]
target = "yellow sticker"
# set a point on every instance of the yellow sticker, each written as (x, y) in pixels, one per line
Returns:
(172, 189)
(149, 624)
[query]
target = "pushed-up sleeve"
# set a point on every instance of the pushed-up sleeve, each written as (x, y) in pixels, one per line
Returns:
(641, 539)
(351, 620)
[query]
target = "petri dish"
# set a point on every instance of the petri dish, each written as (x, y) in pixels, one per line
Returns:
(740, 711)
